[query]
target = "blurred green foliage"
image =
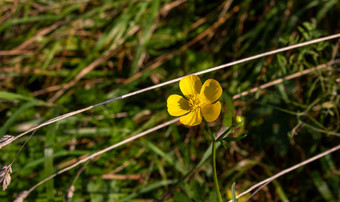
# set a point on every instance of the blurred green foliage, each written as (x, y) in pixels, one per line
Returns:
(60, 56)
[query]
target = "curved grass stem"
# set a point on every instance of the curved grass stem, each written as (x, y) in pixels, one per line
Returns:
(253, 90)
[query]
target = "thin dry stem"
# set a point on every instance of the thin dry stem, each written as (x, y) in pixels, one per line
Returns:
(58, 118)
(163, 58)
(168, 7)
(6, 170)
(40, 33)
(21, 196)
(5, 176)
(5, 140)
(69, 193)
(70, 190)
(92, 66)
(292, 76)
(103, 151)
(178, 79)
(257, 190)
(324, 66)
(22, 146)
(270, 179)
(10, 13)
(15, 52)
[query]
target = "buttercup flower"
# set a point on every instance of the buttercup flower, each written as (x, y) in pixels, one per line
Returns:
(199, 100)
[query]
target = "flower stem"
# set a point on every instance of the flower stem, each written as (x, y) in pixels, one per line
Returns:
(217, 188)
(215, 174)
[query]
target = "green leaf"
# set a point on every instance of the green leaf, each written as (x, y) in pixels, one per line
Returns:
(16, 97)
(198, 191)
(322, 186)
(233, 192)
(181, 197)
(168, 158)
(15, 115)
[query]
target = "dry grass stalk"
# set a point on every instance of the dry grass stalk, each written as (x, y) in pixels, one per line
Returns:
(6, 170)
(178, 79)
(163, 58)
(5, 176)
(168, 7)
(111, 176)
(130, 139)
(70, 190)
(270, 179)
(92, 65)
(5, 140)
(40, 33)
(320, 67)
(47, 123)
(21, 196)
(292, 76)
(69, 193)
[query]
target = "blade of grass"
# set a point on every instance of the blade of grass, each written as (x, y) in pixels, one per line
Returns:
(169, 159)
(149, 188)
(15, 115)
(8, 96)
(322, 187)
(48, 160)
(145, 36)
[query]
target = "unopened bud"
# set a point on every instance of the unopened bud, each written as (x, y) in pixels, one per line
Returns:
(239, 121)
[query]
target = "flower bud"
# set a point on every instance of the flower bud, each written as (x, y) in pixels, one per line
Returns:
(239, 121)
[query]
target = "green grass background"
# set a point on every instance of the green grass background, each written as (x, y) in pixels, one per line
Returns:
(101, 49)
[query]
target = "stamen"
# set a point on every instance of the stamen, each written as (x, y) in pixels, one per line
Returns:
(195, 102)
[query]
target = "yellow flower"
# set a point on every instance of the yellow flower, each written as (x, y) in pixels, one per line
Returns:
(200, 100)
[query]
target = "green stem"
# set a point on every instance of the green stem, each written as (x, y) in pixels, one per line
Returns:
(214, 161)
(215, 174)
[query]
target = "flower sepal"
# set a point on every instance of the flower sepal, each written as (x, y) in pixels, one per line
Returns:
(238, 122)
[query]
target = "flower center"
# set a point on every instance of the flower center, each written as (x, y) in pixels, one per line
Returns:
(195, 102)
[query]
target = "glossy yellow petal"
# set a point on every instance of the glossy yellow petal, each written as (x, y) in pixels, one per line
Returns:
(211, 112)
(211, 91)
(190, 85)
(177, 105)
(192, 119)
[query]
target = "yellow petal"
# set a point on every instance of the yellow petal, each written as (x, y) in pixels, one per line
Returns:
(192, 119)
(211, 112)
(190, 85)
(177, 105)
(211, 91)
